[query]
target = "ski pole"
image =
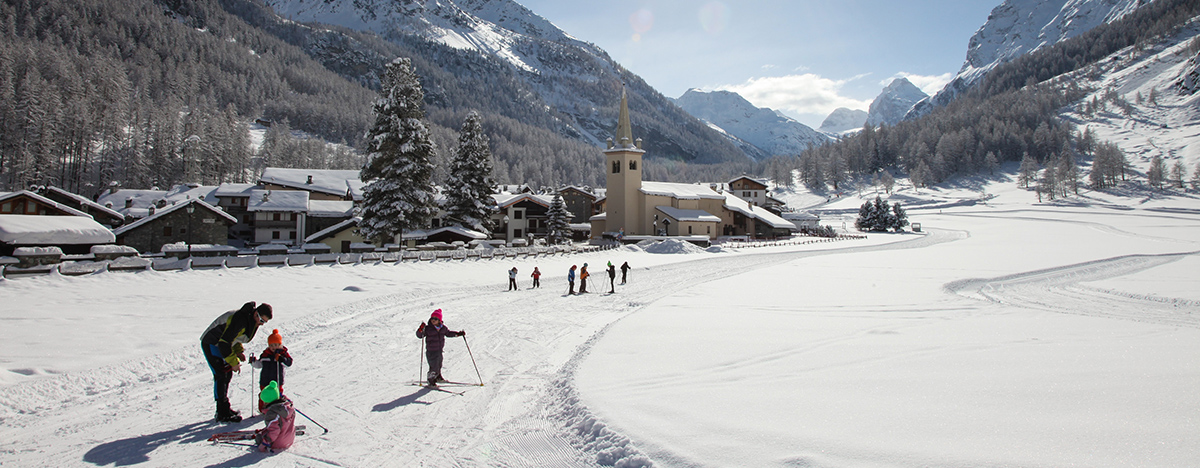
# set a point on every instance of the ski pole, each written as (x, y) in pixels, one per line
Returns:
(464, 337)
(301, 413)
(421, 363)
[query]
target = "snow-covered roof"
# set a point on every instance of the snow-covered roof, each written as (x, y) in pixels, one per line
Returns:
(680, 191)
(331, 230)
(334, 182)
(505, 200)
(733, 203)
(688, 215)
(171, 208)
(184, 192)
(801, 216)
(294, 201)
(473, 234)
(61, 230)
(46, 201)
(140, 201)
(330, 208)
(234, 190)
(763, 182)
(85, 201)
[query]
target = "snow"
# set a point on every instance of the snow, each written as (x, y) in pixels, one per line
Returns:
(72, 230)
(1010, 333)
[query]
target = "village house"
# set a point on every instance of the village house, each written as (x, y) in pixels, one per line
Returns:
(279, 216)
(235, 200)
(102, 214)
(580, 202)
(321, 184)
(191, 221)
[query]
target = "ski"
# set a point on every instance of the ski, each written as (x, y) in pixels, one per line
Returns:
(244, 435)
(445, 383)
(434, 387)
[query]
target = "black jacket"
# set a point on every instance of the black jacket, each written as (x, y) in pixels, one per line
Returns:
(236, 327)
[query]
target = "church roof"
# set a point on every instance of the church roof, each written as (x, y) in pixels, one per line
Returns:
(680, 191)
(688, 215)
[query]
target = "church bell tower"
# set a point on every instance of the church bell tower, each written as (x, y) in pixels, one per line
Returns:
(623, 164)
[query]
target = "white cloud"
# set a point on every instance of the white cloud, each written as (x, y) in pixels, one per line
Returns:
(930, 84)
(799, 94)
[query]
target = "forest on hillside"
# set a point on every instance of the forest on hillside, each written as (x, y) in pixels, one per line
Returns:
(152, 93)
(1012, 115)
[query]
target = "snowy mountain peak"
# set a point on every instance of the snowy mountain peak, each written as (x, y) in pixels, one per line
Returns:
(894, 102)
(1018, 27)
(764, 128)
(843, 120)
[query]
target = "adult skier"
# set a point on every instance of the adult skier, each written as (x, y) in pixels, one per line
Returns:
(612, 278)
(223, 344)
(624, 269)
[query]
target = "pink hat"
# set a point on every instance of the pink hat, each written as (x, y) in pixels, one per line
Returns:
(437, 314)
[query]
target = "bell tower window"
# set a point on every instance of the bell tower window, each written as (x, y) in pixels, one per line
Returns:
(632, 165)
(616, 167)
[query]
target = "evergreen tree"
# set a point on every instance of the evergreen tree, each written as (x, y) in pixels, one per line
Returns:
(866, 217)
(1195, 182)
(1177, 173)
(399, 194)
(1028, 171)
(559, 220)
(1157, 172)
(899, 217)
(470, 184)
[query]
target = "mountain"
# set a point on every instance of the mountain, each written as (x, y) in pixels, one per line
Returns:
(894, 102)
(768, 130)
(1018, 27)
(484, 54)
(843, 120)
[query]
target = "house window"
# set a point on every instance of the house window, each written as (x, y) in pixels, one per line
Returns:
(689, 230)
(274, 234)
(345, 246)
(616, 167)
(518, 214)
(275, 217)
(292, 235)
(167, 231)
(518, 233)
(632, 165)
(708, 229)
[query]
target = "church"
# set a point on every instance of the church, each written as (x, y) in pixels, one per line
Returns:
(640, 209)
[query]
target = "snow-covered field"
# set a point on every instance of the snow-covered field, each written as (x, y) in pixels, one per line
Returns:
(1009, 333)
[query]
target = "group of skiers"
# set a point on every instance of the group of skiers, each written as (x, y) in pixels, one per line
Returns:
(583, 276)
(224, 342)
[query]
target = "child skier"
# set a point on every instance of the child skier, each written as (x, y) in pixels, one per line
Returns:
(435, 334)
(624, 269)
(272, 361)
(512, 279)
(612, 277)
(536, 277)
(571, 280)
(280, 418)
(583, 276)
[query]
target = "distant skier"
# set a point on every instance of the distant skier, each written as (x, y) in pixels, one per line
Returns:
(271, 361)
(435, 334)
(583, 276)
(612, 278)
(537, 275)
(223, 345)
(512, 279)
(571, 280)
(624, 269)
(280, 418)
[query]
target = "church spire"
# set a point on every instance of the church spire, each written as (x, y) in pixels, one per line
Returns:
(624, 129)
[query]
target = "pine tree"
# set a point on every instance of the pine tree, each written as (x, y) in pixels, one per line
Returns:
(469, 196)
(1177, 173)
(866, 217)
(399, 194)
(559, 220)
(1027, 173)
(899, 217)
(1157, 172)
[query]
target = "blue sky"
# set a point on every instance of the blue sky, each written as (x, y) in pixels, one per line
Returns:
(802, 57)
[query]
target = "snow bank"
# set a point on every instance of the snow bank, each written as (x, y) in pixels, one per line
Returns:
(669, 246)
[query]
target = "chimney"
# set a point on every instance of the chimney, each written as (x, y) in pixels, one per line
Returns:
(309, 180)
(151, 213)
(128, 202)
(266, 195)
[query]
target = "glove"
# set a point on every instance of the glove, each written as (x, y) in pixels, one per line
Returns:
(462, 333)
(241, 356)
(252, 358)
(422, 327)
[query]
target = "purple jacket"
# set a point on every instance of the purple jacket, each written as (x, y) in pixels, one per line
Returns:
(435, 336)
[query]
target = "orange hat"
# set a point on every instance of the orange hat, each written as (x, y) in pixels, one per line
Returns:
(275, 337)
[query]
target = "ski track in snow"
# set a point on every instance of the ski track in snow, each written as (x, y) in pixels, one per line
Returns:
(527, 413)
